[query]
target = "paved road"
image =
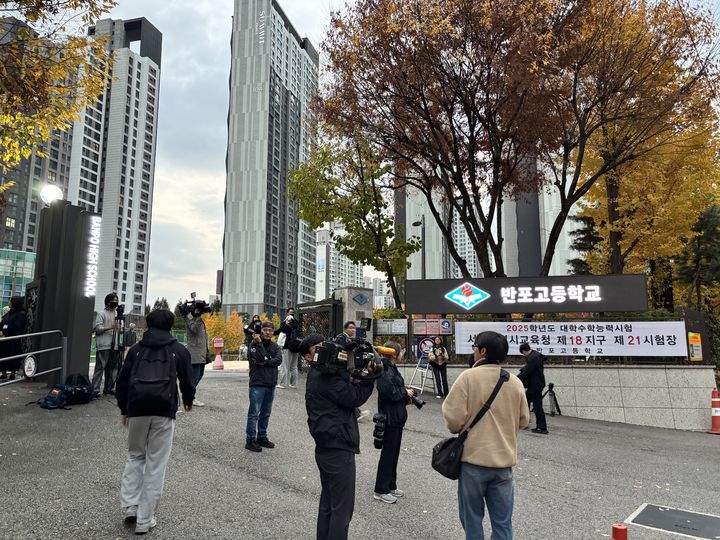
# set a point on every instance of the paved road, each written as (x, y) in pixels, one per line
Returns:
(60, 473)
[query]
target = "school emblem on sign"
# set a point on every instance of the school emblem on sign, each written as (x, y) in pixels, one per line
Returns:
(467, 296)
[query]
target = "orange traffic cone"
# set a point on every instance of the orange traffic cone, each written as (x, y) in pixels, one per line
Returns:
(715, 414)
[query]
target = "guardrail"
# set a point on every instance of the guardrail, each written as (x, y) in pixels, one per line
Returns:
(27, 356)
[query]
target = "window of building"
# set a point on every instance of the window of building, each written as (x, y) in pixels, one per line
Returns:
(10, 223)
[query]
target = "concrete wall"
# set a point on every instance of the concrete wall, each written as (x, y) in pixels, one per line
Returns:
(675, 397)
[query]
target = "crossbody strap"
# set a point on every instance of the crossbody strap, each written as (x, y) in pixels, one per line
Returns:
(504, 377)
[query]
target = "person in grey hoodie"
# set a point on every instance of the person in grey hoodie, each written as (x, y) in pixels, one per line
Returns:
(106, 346)
(197, 344)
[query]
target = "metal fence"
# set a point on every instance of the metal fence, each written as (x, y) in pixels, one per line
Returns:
(39, 356)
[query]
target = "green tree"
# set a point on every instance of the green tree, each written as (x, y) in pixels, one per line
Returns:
(699, 267)
(585, 238)
(344, 181)
(161, 303)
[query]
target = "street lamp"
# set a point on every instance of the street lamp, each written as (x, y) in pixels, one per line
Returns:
(51, 193)
(421, 223)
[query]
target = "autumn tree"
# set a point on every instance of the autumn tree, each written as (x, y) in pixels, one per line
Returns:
(343, 181)
(234, 332)
(215, 325)
(480, 101)
(50, 70)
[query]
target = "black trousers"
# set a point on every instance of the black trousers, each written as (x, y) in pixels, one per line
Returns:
(440, 377)
(386, 479)
(537, 403)
(337, 499)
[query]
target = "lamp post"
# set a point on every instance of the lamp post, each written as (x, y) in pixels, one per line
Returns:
(421, 224)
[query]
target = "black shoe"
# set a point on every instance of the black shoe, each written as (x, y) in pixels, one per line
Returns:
(265, 443)
(537, 430)
(12, 377)
(253, 446)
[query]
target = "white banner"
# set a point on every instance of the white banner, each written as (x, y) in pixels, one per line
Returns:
(646, 338)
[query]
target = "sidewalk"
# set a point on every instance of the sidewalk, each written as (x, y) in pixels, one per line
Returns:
(61, 472)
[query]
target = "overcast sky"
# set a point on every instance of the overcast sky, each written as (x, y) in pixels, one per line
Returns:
(187, 219)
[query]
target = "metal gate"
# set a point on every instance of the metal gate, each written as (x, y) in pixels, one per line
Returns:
(324, 318)
(37, 361)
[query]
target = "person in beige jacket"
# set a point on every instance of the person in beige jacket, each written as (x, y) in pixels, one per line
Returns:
(490, 450)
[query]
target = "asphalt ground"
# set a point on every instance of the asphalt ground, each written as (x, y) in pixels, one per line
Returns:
(60, 473)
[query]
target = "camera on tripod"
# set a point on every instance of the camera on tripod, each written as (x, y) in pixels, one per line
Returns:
(191, 306)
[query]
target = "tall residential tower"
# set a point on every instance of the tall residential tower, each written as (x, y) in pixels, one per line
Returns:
(269, 255)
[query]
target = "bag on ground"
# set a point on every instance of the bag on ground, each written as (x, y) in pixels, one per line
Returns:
(78, 389)
(56, 398)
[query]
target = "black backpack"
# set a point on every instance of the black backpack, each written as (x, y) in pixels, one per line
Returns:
(78, 389)
(153, 378)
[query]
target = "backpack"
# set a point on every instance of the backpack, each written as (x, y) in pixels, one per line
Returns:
(79, 389)
(56, 398)
(153, 379)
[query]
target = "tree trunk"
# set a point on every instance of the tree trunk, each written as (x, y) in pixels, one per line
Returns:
(393, 285)
(553, 240)
(612, 185)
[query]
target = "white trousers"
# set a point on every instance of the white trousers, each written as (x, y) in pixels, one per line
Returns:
(149, 444)
(288, 370)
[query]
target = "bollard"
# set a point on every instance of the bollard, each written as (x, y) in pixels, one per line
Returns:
(218, 344)
(619, 532)
(715, 412)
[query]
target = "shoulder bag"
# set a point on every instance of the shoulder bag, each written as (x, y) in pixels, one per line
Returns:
(447, 453)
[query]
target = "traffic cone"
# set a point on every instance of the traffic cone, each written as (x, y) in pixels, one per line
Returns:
(715, 414)
(619, 532)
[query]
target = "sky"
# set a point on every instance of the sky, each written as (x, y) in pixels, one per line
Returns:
(188, 206)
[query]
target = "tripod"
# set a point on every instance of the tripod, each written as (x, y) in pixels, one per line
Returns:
(554, 406)
(117, 349)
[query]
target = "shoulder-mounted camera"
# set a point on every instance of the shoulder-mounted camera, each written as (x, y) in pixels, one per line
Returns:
(358, 357)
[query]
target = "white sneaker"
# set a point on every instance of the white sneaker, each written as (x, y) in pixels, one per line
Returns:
(385, 497)
(363, 414)
(143, 529)
(197, 403)
(397, 493)
(292, 386)
(280, 386)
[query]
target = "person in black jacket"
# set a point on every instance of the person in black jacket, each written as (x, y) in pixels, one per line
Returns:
(252, 329)
(14, 323)
(264, 357)
(330, 400)
(532, 376)
(393, 398)
(148, 411)
(345, 340)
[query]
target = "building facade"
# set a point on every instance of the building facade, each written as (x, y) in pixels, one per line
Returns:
(113, 159)
(333, 269)
(17, 269)
(268, 254)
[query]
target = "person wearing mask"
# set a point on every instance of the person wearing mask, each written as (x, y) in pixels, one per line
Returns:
(197, 344)
(331, 399)
(438, 358)
(532, 376)
(264, 357)
(252, 329)
(393, 399)
(147, 394)
(107, 346)
(345, 340)
(14, 323)
(289, 368)
(490, 450)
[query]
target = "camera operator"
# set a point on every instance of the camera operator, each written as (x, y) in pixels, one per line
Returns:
(393, 398)
(330, 399)
(197, 342)
(345, 340)
(106, 346)
(252, 329)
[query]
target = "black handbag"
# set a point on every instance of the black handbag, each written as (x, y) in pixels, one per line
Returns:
(447, 453)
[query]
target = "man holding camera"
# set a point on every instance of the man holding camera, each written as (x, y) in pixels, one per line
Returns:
(197, 343)
(393, 398)
(331, 397)
(264, 356)
(490, 451)
(106, 346)
(345, 340)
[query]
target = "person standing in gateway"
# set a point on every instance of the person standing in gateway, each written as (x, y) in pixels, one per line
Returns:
(532, 376)
(106, 346)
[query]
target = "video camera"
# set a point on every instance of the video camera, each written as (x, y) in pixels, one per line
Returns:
(193, 305)
(354, 357)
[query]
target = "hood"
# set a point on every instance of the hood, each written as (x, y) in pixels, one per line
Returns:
(155, 338)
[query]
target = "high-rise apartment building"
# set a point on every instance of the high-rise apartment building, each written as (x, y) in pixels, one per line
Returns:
(334, 270)
(269, 255)
(104, 163)
(113, 159)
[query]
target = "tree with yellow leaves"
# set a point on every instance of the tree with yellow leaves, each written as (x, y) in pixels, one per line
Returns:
(234, 332)
(49, 70)
(215, 324)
